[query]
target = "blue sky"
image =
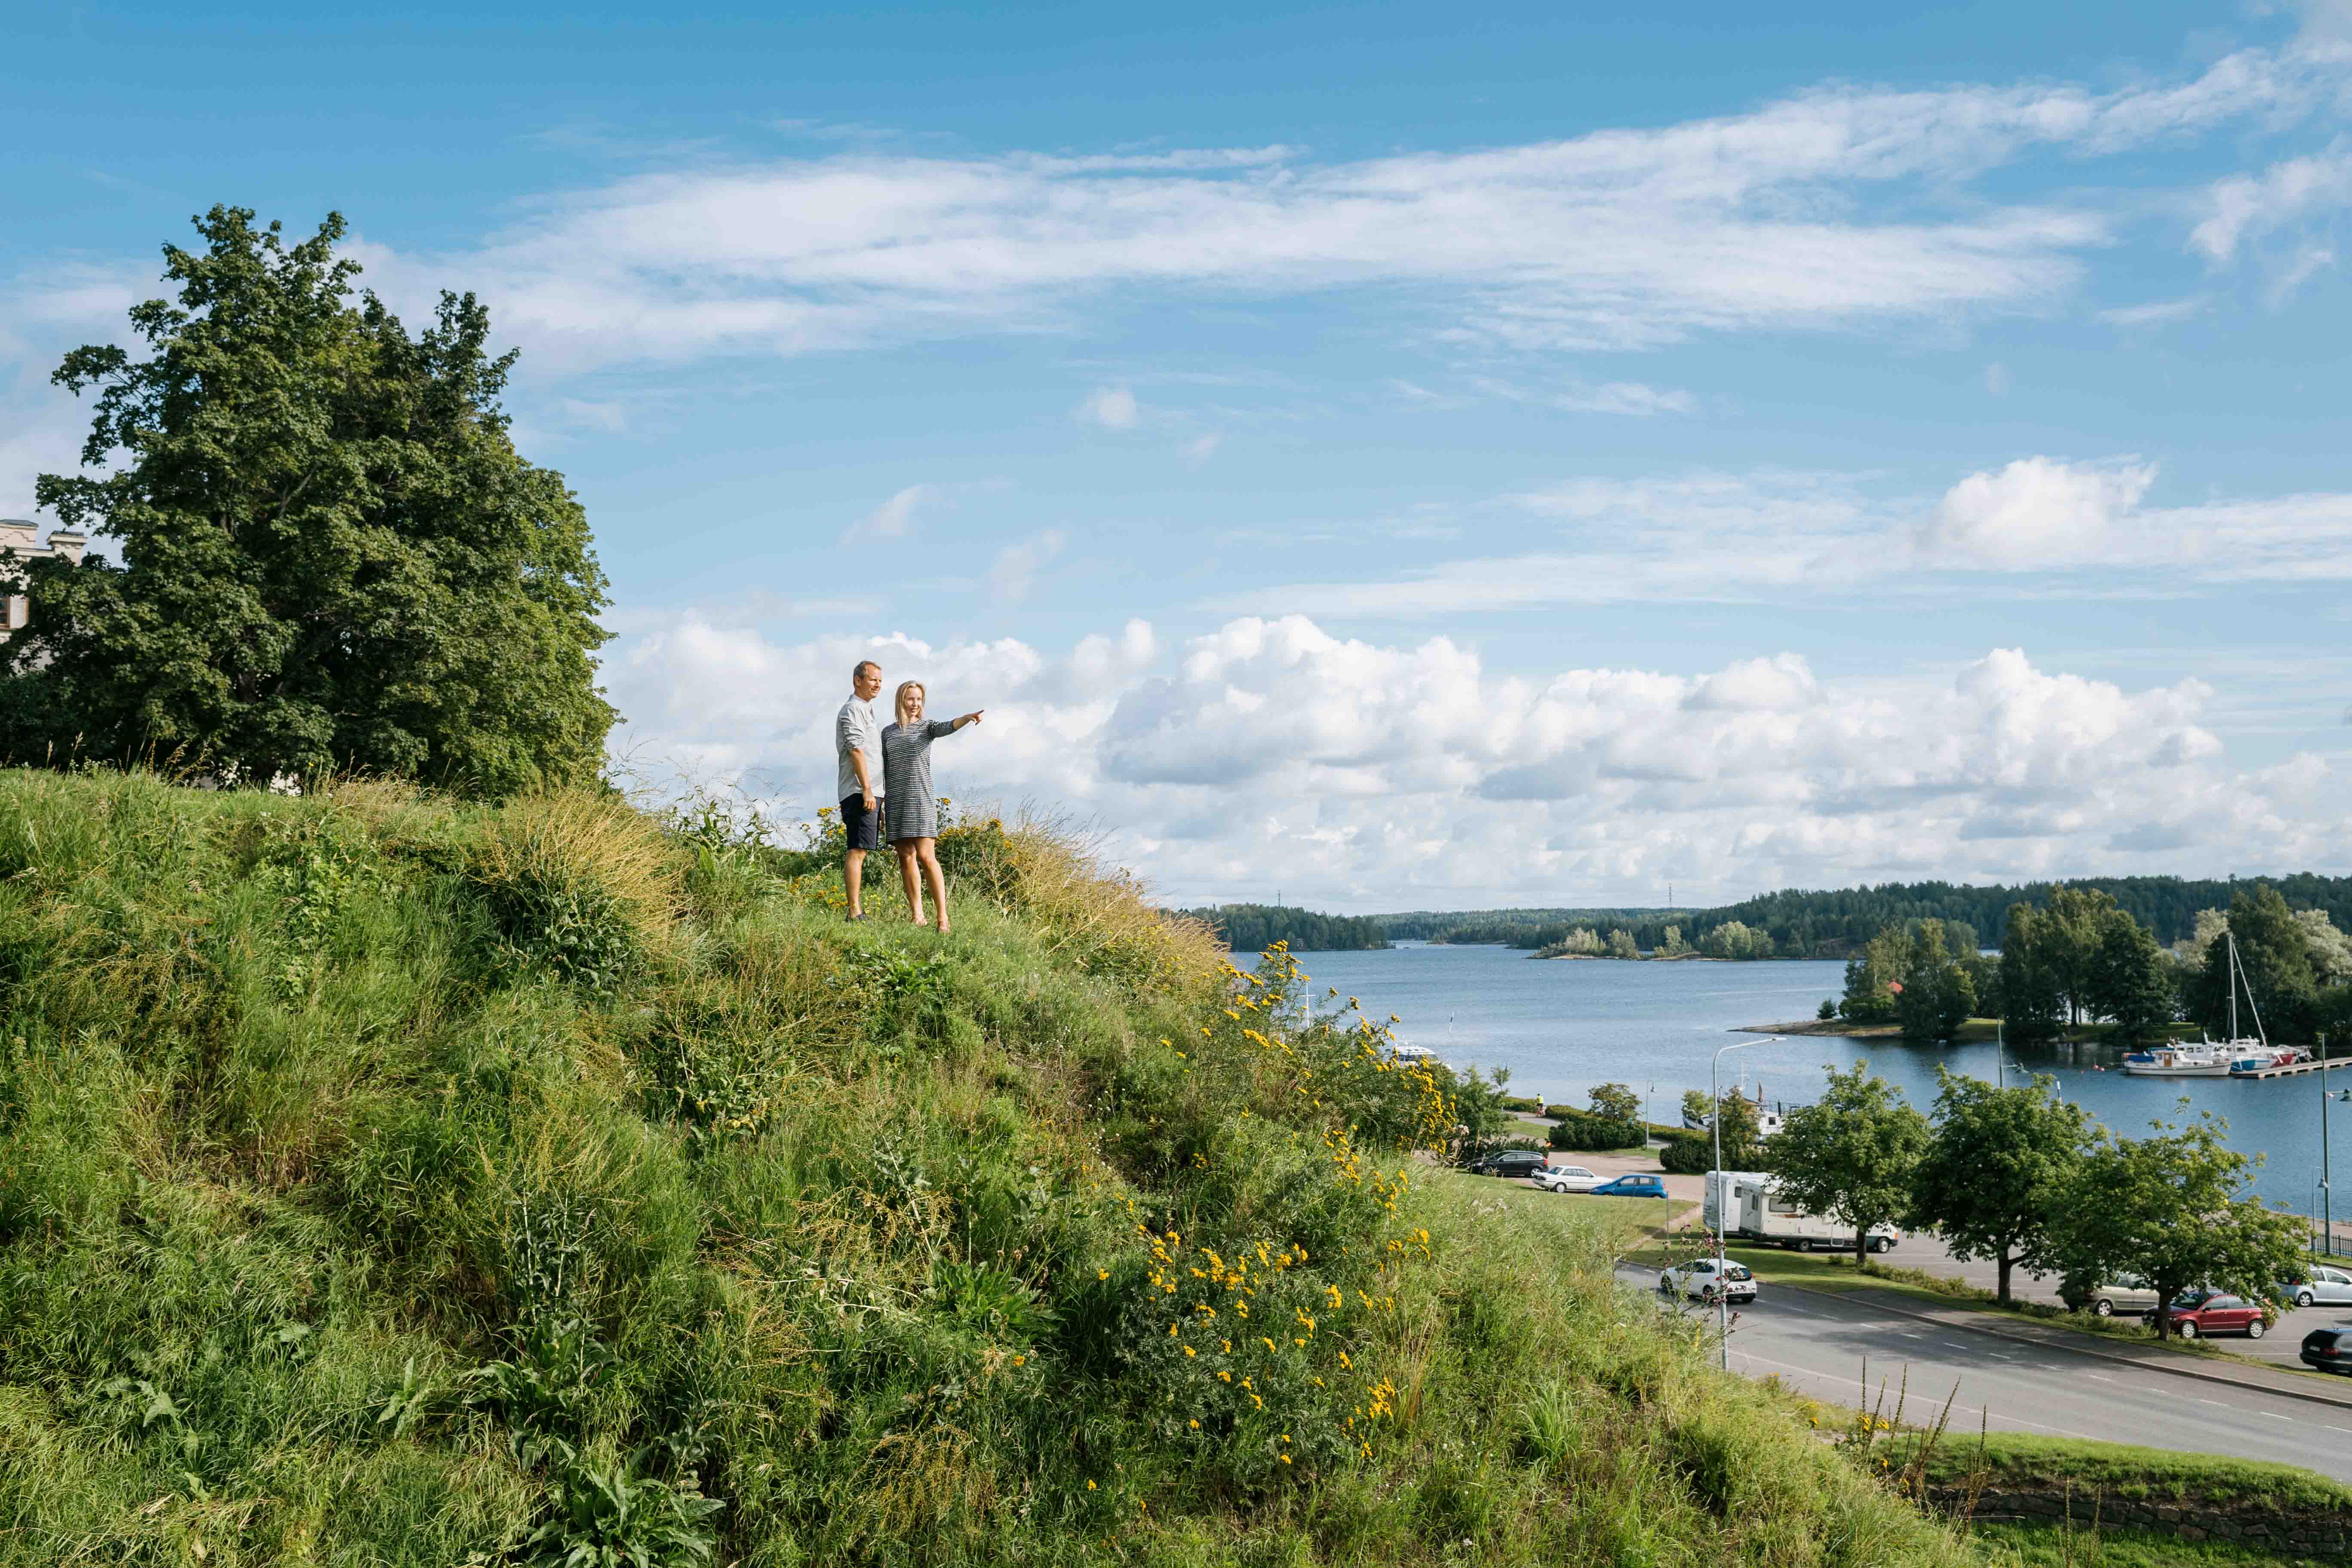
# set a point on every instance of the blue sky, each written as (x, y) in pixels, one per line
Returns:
(1400, 456)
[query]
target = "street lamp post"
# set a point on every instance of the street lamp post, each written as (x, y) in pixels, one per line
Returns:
(1722, 1292)
(2327, 1193)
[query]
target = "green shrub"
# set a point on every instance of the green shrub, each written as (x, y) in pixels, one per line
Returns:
(1687, 1156)
(1581, 1129)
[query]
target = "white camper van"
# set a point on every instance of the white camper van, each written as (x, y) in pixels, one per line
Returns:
(1746, 1205)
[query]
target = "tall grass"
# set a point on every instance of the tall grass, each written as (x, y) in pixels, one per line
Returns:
(384, 1181)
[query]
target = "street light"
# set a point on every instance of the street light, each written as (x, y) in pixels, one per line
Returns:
(1723, 1295)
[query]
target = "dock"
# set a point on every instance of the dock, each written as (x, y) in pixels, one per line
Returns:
(2341, 1064)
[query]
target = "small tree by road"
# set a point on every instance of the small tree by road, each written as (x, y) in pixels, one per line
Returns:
(1998, 1167)
(2175, 1210)
(1616, 1102)
(1851, 1155)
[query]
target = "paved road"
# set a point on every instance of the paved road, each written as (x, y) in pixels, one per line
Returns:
(1817, 1344)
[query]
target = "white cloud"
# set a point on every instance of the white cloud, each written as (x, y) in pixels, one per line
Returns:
(1376, 775)
(894, 517)
(1997, 379)
(2034, 512)
(1200, 450)
(1844, 206)
(2156, 313)
(1015, 568)
(2247, 206)
(1778, 536)
(1112, 407)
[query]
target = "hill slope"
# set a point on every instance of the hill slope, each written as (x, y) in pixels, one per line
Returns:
(385, 1183)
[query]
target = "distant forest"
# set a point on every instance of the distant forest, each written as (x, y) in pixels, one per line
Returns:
(1254, 928)
(1836, 924)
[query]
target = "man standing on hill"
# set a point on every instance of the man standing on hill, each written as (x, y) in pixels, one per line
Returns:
(858, 754)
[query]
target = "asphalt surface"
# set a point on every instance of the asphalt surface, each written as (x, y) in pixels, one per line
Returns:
(1819, 1345)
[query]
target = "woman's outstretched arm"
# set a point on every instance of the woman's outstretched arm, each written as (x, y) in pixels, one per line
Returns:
(950, 726)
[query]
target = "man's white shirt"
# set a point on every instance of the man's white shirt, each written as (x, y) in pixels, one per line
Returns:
(856, 730)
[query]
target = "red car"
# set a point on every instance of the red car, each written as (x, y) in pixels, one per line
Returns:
(2196, 1312)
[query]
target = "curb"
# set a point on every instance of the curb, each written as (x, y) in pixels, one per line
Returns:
(2340, 1402)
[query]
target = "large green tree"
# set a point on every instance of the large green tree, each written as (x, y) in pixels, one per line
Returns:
(2132, 981)
(2177, 1210)
(2275, 952)
(1938, 995)
(1851, 1155)
(2034, 1002)
(1996, 1168)
(331, 556)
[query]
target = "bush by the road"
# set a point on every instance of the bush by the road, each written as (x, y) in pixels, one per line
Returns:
(1687, 1155)
(1580, 1130)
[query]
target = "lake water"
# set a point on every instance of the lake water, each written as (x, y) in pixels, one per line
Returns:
(1563, 1026)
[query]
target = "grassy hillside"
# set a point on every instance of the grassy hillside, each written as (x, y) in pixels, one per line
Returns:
(383, 1181)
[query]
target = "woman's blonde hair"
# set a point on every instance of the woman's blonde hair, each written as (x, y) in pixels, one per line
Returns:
(898, 702)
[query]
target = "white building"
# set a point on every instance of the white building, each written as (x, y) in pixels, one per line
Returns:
(21, 538)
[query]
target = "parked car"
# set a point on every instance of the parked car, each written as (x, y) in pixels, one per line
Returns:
(2318, 1286)
(1632, 1187)
(2124, 1293)
(1507, 1162)
(2329, 1349)
(2196, 1312)
(1565, 1179)
(1696, 1281)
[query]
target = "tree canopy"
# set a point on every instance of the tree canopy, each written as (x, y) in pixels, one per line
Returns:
(1254, 928)
(1851, 1154)
(1998, 1169)
(2175, 1209)
(332, 558)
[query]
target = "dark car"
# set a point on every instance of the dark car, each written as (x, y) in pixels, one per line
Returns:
(2196, 1312)
(1632, 1187)
(2329, 1349)
(1508, 1162)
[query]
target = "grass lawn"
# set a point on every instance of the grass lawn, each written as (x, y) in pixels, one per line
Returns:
(2040, 1546)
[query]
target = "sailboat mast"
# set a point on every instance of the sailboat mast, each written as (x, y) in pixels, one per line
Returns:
(2233, 982)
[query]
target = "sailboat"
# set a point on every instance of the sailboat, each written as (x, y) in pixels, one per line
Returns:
(2212, 1058)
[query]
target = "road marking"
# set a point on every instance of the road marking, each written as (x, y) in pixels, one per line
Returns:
(2102, 1376)
(1955, 1344)
(2273, 1415)
(2213, 1402)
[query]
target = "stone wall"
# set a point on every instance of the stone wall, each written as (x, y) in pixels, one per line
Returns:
(2302, 1534)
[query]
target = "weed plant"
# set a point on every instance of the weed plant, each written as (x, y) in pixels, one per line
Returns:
(389, 1182)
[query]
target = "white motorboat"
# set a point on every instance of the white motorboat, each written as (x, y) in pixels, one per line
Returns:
(2212, 1058)
(2202, 1060)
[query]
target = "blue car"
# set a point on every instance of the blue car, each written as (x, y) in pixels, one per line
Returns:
(1632, 1187)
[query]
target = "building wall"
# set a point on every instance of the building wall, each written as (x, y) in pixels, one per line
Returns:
(20, 541)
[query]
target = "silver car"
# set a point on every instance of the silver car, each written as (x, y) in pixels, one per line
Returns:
(2125, 1293)
(2320, 1286)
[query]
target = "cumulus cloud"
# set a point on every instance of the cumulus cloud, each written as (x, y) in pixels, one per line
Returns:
(1618, 238)
(1397, 775)
(1202, 448)
(2036, 512)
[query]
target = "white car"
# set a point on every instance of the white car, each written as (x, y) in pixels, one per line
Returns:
(1565, 1179)
(1696, 1281)
(2320, 1286)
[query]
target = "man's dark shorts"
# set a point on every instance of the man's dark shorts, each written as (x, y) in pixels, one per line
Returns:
(864, 827)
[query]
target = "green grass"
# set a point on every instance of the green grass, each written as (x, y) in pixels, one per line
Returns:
(386, 1182)
(2141, 1475)
(2041, 1546)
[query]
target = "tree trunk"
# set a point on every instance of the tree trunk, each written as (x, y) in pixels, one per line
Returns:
(1861, 1248)
(2164, 1314)
(2007, 1263)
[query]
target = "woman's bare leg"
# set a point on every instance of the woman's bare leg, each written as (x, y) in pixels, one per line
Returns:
(907, 875)
(927, 851)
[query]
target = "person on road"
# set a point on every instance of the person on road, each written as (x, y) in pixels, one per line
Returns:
(912, 818)
(857, 756)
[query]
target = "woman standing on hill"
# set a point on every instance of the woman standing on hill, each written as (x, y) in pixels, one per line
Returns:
(911, 811)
